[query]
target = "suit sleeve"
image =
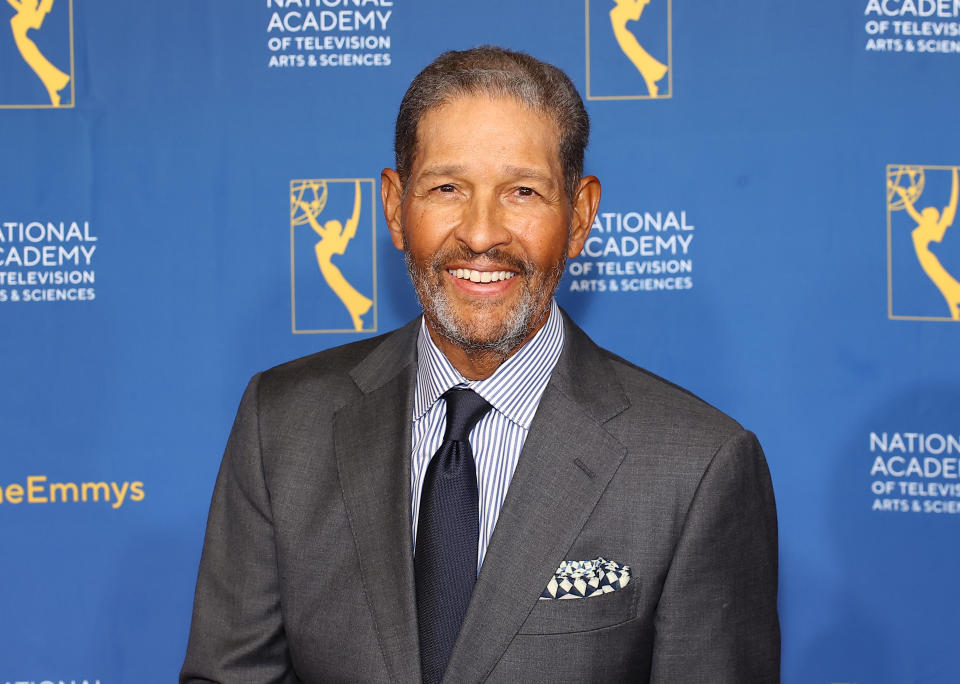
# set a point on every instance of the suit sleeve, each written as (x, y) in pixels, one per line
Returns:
(237, 631)
(717, 616)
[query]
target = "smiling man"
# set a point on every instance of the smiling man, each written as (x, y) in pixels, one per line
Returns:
(484, 494)
(486, 222)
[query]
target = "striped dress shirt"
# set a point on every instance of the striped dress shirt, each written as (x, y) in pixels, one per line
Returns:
(514, 392)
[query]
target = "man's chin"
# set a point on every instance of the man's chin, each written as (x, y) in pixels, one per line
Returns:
(496, 324)
(490, 335)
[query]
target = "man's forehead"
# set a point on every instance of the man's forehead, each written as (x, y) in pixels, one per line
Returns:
(438, 114)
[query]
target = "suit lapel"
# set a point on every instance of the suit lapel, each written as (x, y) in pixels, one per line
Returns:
(372, 438)
(566, 463)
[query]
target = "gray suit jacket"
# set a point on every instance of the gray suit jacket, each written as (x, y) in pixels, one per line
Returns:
(307, 568)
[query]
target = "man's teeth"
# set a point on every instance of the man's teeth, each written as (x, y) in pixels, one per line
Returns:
(481, 276)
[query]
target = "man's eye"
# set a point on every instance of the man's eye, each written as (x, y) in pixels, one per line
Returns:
(446, 187)
(526, 192)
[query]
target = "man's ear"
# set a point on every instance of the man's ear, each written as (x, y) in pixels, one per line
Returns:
(391, 195)
(585, 204)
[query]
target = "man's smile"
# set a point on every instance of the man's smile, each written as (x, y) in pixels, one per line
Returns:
(475, 276)
(482, 283)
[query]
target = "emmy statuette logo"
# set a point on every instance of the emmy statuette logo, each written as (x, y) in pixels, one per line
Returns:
(629, 49)
(923, 247)
(333, 255)
(37, 54)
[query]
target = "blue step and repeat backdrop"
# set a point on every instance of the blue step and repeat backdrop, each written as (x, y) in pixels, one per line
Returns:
(189, 195)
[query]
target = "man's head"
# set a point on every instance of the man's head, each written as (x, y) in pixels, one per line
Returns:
(496, 73)
(487, 201)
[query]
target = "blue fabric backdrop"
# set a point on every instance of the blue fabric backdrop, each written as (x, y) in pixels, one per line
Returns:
(777, 234)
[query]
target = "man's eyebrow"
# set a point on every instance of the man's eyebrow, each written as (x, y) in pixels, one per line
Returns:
(517, 172)
(530, 173)
(447, 170)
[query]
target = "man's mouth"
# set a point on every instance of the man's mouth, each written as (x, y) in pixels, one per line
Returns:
(480, 276)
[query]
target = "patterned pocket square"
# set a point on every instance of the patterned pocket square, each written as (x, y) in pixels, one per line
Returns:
(586, 578)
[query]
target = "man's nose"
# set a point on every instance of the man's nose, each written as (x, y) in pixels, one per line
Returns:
(483, 226)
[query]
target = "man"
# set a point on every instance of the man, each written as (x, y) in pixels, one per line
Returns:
(359, 496)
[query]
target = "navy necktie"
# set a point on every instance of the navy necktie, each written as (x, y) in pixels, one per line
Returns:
(448, 531)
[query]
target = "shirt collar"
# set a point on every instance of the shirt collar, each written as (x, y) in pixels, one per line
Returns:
(515, 387)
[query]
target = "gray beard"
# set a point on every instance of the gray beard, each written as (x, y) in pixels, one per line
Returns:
(513, 330)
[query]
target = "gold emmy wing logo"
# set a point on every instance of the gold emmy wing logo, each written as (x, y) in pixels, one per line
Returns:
(27, 28)
(326, 241)
(619, 51)
(922, 202)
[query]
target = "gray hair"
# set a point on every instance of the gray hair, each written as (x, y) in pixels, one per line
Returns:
(496, 72)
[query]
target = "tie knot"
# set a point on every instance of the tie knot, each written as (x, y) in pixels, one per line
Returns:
(464, 408)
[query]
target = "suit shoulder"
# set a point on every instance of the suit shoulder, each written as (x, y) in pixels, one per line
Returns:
(329, 369)
(672, 435)
(672, 404)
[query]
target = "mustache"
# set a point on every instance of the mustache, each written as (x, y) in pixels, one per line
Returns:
(494, 255)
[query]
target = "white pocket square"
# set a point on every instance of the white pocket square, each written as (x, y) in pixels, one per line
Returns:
(585, 578)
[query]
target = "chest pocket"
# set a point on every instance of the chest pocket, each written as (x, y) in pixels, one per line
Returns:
(566, 616)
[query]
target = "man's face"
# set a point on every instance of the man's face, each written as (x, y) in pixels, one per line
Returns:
(484, 223)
